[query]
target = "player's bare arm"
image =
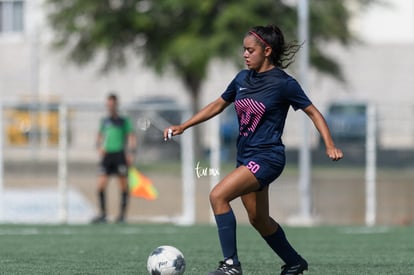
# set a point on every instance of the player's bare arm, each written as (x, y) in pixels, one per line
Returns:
(99, 141)
(132, 142)
(321, 125)
(131, 148)
(209, 111)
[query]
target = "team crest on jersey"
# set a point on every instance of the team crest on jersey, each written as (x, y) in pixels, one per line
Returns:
(250, 112)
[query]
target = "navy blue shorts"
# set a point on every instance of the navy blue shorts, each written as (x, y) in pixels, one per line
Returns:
(265, 170)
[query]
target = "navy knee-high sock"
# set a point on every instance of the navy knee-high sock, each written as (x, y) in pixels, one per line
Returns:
(278, 242)
(226, 225)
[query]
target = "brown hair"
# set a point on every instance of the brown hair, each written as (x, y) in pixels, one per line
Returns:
(272, 36)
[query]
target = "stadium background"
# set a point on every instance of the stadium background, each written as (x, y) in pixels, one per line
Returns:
(35, 72)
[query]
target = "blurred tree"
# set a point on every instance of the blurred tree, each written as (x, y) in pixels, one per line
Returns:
(186, 35)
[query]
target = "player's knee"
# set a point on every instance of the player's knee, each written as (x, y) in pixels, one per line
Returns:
(257, 221)
(123, 183)
(217, 199)
(101, 186)
(213, 197)
(254, 220)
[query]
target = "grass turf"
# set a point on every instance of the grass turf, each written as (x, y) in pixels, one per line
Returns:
(123, 249)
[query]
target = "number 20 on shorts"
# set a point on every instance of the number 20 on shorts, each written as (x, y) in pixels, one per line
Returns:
(253, 167)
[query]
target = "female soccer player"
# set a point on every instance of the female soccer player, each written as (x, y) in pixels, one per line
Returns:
(262, 96)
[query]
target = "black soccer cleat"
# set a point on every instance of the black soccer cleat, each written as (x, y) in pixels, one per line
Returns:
(99, 219)
(120, 219)
(295, 269)
(227, 268)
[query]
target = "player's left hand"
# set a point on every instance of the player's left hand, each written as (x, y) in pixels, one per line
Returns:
(334, 153)
(130, 159)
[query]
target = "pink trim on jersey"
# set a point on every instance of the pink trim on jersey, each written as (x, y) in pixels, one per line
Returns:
(250, 113)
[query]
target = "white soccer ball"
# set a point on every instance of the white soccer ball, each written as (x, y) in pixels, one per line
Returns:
(166, 260)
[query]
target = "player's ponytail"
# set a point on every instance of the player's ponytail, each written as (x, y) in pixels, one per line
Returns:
(272, 36)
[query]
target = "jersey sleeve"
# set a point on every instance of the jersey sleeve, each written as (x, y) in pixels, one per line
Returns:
(128, 126)
(101, 126)
(295, 95)
(229, 94)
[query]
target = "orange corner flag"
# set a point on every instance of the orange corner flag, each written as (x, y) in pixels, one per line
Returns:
(140, 185)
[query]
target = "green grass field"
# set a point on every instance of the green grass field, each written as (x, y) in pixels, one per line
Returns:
(123, 249)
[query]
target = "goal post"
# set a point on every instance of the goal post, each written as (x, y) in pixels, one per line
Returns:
(370, 166)
(63, 163)
(185, 142)
(1, 162)
(188, 216)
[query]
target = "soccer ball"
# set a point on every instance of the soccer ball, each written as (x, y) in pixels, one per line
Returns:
(166, 260)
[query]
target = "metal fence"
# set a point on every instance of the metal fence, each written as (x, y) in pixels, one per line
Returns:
(46, 180)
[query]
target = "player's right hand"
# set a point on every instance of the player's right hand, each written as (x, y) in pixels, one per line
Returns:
(172, 131)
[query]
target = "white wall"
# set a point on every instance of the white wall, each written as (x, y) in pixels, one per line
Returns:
(390, 22)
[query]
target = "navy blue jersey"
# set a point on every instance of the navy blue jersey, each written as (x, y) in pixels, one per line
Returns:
(262, 101)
